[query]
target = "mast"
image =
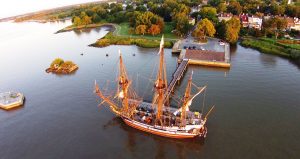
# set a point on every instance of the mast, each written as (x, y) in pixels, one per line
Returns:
(186, 101)
(123, 86)
(160, 84)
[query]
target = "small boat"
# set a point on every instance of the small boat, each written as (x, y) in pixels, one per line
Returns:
(9, 100)
(156, 117)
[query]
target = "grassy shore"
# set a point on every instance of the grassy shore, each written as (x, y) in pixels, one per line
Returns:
(111, 39)
(285, 48)
(78, 27)
(123, 30)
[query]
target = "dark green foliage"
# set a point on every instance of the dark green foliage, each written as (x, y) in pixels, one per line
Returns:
(141, 8)
(96, 18)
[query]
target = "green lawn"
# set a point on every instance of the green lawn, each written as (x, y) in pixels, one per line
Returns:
(273, 46)
(123, 30)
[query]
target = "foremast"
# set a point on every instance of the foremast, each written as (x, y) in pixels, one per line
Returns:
(187, 100)
(124, 83)
(160, 84)
(122, 92)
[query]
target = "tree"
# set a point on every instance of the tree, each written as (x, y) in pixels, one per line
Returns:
(214, 2)
(141, 8)
(205, 27)
(154, 29)
(182, 25)
(277, 9)
(276, 25)
(56, 62)
(141, 29)
(222, 8)
(234, 8)
(220, 28)
(86, 20)
(209, 13)
(76, 21)
(96, 18)
(292, 10)
(102, 12)
(232, 29)
(129, 8)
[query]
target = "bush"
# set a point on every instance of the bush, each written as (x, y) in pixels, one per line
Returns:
(57, 61)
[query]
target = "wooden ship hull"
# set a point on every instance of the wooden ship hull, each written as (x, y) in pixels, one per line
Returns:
(161, 131)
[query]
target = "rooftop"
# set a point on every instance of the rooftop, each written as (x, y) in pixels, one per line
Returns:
(206, 55)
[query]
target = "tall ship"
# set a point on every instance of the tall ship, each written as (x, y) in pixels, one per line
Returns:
(156, 117)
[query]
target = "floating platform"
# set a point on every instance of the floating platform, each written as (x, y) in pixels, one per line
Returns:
(205, 58)
(9, 100)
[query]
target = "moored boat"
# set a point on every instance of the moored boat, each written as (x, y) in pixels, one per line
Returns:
(9, 100)
(157, 117)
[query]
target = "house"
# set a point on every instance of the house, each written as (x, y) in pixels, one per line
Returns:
(191, 21)
(244, 20)
(254, 22)
(294, 23)
(224, 16)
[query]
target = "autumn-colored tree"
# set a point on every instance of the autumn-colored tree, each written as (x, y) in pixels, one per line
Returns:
(276, 25)
(131, 31)
(209, 13)
(76, 21)
(232, 29)
(154, 30)
(182, 25)
(222, 8)
(204, 27)
(141, 29)
(235, 8)
(86, 20)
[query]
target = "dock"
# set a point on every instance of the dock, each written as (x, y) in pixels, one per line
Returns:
(9, 100)
(206, 57)
(177, 75)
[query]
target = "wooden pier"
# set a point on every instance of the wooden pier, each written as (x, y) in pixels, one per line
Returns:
(177, 75)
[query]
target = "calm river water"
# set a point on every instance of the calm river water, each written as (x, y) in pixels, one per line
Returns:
(257, 111)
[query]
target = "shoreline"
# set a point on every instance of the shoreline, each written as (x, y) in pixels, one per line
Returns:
(271, 46)
(114, 38)
(89, 26)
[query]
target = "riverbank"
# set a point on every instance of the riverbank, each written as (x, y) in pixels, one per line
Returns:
(111, 39)
(285, 48)
(79, 27)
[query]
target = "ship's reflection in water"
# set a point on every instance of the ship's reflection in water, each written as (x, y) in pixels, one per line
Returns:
(162, 144)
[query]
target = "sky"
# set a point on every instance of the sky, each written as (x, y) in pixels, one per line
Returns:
(16, 7)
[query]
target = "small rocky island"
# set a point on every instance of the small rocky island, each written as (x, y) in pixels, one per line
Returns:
(59, 66)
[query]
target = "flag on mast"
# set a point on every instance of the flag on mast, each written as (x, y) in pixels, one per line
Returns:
(161, 46)
(162, 42)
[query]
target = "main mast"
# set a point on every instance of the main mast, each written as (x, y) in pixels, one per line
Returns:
(160, 84)
(186, 101)
(123, 86)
